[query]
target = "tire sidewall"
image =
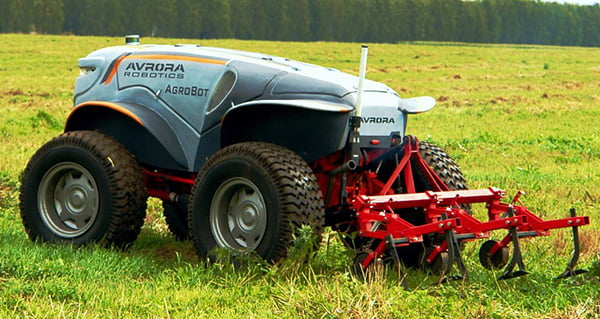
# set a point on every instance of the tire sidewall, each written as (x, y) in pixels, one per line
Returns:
(220, 172)
(39, 167)
(176, 220)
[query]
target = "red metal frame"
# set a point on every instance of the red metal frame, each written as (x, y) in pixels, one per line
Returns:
(376, 217)
(161, 184)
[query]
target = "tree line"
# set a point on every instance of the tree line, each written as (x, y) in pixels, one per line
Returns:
(478, 21)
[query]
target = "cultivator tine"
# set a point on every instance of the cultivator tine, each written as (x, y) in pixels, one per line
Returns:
(389, 240)
(571, 271)
(459, 261)
(454, 256)
(517, 257)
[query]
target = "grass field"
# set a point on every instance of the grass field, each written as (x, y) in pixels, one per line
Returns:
(515, 117)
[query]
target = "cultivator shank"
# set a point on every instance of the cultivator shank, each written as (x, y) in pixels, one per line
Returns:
(447, 219)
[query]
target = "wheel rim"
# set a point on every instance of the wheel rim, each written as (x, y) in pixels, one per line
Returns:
(238, 215)
(68, 199)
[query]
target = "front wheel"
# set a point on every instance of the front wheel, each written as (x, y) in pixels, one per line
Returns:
(254, 197)
(83, 187)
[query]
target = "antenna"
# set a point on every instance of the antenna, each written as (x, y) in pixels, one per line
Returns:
(361, 78)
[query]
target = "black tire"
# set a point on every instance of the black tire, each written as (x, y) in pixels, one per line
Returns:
(176, 219)
(444, 166)
(82, 187)
(448, 171)
(254, 197)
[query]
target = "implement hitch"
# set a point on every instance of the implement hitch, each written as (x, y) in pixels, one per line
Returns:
(446, 219)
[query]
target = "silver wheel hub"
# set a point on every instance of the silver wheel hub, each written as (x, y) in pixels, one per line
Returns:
(238, 215)
(68, 199)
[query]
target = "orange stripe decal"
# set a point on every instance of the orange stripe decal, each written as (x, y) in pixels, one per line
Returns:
(176, 57)
(114, 70)
(112, 106)
(160, 57)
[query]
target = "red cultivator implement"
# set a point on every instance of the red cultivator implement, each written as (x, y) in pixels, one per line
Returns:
(439, 220)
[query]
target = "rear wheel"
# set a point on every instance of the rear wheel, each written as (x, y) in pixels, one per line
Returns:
(254, 197)
(82, 187)
(443, 165)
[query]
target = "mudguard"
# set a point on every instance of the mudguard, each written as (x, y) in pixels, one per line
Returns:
(311, 128)
(145, 133)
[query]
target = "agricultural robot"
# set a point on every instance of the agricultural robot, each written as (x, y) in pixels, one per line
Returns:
(244, 149)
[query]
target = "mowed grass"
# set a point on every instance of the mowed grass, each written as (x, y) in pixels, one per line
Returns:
(515, 117)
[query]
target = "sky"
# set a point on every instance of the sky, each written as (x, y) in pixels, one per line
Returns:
(582, 2)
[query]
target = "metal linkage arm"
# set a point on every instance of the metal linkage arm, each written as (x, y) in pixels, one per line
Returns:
(378, 225)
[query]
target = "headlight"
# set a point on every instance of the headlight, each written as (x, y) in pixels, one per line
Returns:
(86, 70)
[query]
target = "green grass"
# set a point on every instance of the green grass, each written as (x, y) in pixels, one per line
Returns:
(515, 117)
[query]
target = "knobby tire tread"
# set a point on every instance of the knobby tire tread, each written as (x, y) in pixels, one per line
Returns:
(128, 206)
(443, 165)
(296, 186)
